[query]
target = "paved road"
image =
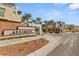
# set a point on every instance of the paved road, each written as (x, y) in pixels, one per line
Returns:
(69, 47)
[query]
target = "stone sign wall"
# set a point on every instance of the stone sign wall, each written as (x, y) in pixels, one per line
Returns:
(18, 32)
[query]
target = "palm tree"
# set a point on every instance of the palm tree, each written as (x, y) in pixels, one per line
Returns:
(19, 12)
(34, 21)
(25, 18)
(38, 19)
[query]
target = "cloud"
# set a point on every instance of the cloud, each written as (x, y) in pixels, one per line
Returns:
(74, 6)
(72, 12)
(52, 14)
(59, 4)
(48, 14)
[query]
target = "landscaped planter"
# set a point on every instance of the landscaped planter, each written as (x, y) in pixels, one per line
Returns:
(21, 49)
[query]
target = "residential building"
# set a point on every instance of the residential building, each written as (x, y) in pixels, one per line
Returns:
(10, 20)
(9, 17)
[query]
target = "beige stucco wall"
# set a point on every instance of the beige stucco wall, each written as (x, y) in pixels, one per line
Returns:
(9, 14)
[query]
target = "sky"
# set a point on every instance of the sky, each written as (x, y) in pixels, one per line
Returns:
(66, 12)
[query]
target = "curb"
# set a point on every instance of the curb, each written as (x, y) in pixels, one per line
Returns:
(48, 47)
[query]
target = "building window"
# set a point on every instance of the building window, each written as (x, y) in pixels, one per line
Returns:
(2, 11)
(14, 13)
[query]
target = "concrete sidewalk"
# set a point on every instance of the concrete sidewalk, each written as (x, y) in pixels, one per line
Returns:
(54, 41)
(18, 40)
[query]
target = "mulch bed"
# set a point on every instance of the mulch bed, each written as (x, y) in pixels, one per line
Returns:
(22, 49)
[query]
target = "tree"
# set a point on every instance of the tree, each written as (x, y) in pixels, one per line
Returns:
(38, 19)
(45, 21)
(45, 29)
(51, 22)
(71, 27)
(49, 26)
(19, 12)
(25, 18)
(34, 21)
(60, 25)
